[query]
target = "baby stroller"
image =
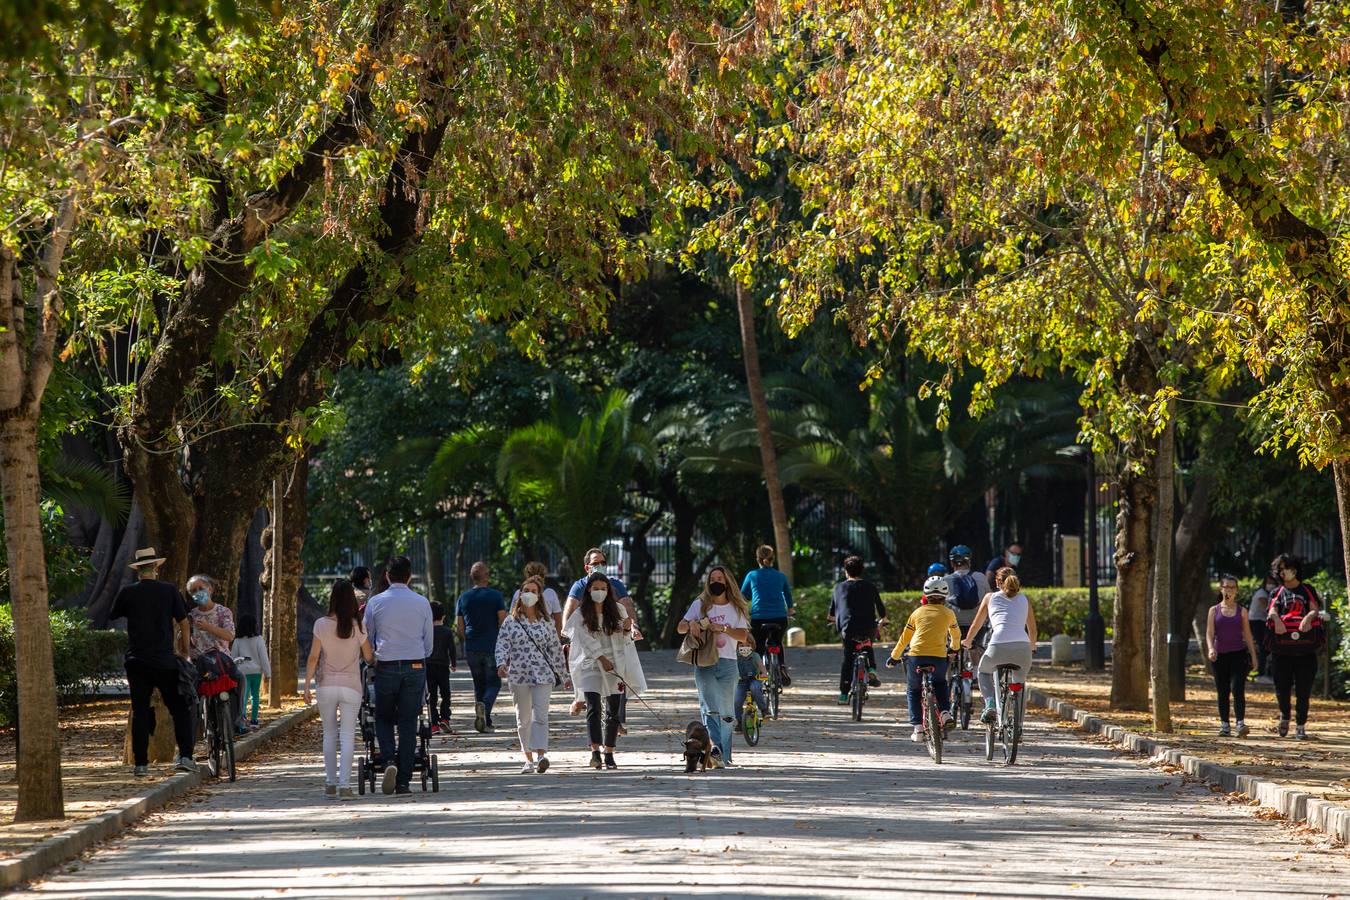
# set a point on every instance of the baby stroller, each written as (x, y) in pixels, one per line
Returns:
(370, 765)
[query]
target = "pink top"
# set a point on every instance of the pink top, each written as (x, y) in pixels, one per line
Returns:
(1228, 630)
(339, 660)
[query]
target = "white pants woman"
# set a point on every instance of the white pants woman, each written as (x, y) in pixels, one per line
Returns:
(338, 708)
(532, 716)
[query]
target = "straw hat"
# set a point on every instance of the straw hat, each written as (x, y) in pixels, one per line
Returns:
(145, 557)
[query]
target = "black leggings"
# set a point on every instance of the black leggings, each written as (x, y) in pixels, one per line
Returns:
(1296, 673)
(846, 669)
(1230, 675)
(759, 630)
(611, 730)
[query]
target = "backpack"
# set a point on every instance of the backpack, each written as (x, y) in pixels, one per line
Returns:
(965, 593)
(1294, 642)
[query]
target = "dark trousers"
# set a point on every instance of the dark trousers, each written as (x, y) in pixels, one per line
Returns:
(487, 684)
(939, 677)
(438, 692)
(610, 732)
(759, 631)
(1259, 639)
(142, 680)
(400, 687)
(1296, 674)
(1230, 676)
(846, 669)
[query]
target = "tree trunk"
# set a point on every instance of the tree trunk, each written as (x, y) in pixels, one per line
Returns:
(1196, 535)
(1340, 470)
(768, 454)
(295, 518)
(1134, 558)
(1160, 682)
(39, 743)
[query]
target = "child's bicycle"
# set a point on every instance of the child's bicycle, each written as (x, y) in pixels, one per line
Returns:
(932, 718)
(959, 678)
(751, 720)
(1006, 730)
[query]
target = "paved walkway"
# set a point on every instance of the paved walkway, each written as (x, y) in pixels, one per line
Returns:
(823, 807)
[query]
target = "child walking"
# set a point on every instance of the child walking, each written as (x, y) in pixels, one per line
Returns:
(247, 642)
(440, 664)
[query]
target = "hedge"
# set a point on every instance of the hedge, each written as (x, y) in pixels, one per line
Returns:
(84, 658)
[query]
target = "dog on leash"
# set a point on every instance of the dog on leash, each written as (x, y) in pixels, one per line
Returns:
(697, 747)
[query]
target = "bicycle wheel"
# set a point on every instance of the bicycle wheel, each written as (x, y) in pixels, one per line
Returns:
(215, 751)
(932, 726)
(225, 728)
(1012, 733)
(750, 724)
(965, 707)
(775, 683)
(989, 742)
(856, 695)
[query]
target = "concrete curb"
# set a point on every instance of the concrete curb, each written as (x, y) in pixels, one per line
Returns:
(1295, 805)
(68, 844)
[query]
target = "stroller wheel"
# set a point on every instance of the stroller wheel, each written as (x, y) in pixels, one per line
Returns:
(435, 774)
(361, 776)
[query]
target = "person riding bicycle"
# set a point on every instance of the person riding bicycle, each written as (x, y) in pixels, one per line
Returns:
(858, 612)
(752, 675)
(930, 632)
(1013, 639)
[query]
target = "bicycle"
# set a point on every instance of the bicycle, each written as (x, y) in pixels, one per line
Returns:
(773, 662)
(933, 732)
(217, 723)
(751, 720)
(1006, 729)
(857, 692)
(959, 687)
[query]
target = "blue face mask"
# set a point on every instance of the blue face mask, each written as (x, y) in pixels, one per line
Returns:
(1014, 558)
(201, 597)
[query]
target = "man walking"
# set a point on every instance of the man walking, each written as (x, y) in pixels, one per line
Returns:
(157, 634)
(398, 626)
(479, 614)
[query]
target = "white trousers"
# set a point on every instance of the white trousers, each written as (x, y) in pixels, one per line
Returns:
(338, 708)
(532, 715)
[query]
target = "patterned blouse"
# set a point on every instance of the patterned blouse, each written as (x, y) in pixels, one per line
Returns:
(202, 641)
(530, 651)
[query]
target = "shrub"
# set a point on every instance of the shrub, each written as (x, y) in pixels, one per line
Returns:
(83, 657)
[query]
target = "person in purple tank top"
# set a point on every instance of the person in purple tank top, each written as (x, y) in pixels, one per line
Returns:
(1232, 653)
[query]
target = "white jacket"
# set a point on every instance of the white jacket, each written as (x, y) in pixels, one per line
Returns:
(588, 646)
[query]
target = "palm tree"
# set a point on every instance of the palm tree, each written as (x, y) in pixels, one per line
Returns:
(574, 472)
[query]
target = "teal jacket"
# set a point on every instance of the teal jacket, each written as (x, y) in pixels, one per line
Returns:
(768, 591)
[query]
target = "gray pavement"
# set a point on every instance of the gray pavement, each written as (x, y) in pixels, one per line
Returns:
(823, 807)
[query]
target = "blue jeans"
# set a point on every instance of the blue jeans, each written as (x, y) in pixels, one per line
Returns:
(916, 685)
(487, 684)
(750, 686)
(716, 700)
(400, 689)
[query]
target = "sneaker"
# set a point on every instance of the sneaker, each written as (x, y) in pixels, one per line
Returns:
(330, 790)
(1301, 733)
(489, 728)
(390, 779)
(917, 736)
(436, 729)
(479, 718)
(1282, 729)
(989, 716)
(577, 707)
(872, 679)
(541, 766)
(184, 765)
(596, 762)
(405, 791)
(1243, 730)
(843, 699)
(947, 722)
(1225, 731)
(1264, 679)
(623, 729)
(528, 768)
(346, 794)
(609, 761)
(141, 771)
(787, 679)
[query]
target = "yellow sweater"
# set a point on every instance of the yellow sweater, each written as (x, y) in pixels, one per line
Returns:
(927, 632)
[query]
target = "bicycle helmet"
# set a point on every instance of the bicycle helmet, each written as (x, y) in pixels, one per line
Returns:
(936, 588)
(937, 570)
(960, 552)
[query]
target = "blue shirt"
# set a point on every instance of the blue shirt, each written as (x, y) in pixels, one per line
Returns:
(479, 606)
(580, 585)
(398, 625)
(767, 590)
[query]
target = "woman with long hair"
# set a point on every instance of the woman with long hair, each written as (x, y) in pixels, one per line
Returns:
(1012, 639)
(1232, 654)
(722, 613)
(603, 657)
(335, 656)
(530, 660)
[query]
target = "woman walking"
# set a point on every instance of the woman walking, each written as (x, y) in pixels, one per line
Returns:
(720, 611)
(1232, 653)
(335, 654)
(603, 657)
(1012, 639)
(770, 604)
(529, 657)
(1294, 621)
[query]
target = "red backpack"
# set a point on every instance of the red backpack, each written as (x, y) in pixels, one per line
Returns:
(1291, 606)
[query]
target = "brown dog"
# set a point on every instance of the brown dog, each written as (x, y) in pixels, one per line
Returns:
(697, 747)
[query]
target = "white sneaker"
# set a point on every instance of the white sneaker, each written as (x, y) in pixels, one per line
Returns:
(917, 736)
(528, 768)
(390, 779)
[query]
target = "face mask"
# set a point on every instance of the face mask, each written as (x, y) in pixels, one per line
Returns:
(598, 596)
(201, 597)
(717, 588)
(595, 567)
(1014, 558)
(529, 598)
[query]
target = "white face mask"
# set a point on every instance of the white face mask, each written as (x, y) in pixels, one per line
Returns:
(1014, 558)
(529, 598)
(599, 596)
